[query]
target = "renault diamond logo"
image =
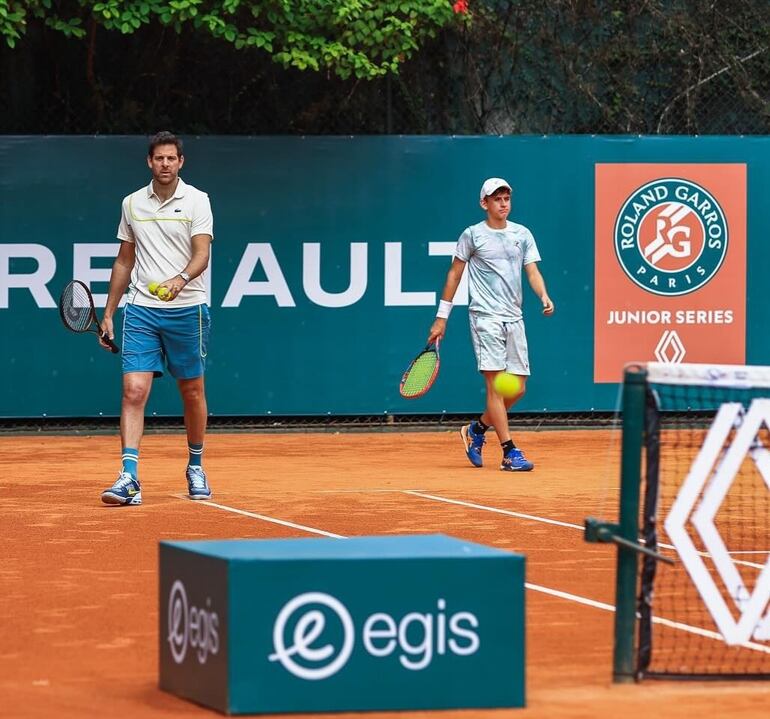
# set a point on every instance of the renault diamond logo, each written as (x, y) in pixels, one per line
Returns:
(670, 348)
(712, 474)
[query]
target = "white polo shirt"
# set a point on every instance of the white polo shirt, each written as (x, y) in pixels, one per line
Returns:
(162, 233)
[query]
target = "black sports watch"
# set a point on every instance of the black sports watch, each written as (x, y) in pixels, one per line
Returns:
(185, 277)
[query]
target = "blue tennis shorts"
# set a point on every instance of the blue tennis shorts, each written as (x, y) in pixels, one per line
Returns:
(174, 336)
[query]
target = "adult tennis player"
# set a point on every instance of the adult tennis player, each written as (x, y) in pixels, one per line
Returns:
(165, 233)
(495, 252)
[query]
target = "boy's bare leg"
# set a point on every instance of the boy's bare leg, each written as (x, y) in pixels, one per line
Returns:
(496, 412)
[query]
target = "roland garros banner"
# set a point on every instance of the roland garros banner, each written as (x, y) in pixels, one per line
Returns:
(670, 265)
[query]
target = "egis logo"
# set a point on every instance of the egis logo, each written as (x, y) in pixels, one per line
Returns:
(319, 649)
(671, 236)
(190, 626)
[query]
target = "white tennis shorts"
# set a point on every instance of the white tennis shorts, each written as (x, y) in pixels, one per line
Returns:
(499, 345)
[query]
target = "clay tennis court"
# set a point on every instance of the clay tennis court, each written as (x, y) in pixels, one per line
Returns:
(79, 600)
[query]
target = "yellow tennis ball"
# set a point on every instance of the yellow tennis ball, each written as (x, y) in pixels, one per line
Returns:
(507, 385)
(163, 293)
(153, 287)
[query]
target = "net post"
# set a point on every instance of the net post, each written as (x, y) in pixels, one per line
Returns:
(634, 387)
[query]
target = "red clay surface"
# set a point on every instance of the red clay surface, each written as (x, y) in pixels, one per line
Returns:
(78, 606)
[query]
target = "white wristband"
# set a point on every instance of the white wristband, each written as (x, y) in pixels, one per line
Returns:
(444, 308)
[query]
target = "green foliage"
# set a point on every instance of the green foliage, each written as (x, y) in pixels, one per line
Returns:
(294, 66)
(358, 38)
(12, 21)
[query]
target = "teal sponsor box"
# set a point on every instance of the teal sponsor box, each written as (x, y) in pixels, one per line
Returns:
(368, 623)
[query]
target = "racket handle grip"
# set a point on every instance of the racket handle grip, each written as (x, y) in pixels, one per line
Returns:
(113, 347)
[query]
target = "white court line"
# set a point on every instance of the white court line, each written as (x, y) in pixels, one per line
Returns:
(656, 620)
(533, 587)
(558, 523)
(367, 490)
(708, 634)
(496, 510)
(272, 520)
(570, 597)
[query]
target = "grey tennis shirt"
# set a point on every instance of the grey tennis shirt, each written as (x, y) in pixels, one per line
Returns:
(495, 259)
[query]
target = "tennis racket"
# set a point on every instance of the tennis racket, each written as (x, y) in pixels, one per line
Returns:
(421, 373)
(76, 307)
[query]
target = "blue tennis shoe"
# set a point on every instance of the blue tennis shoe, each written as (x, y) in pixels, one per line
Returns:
(515, 461)
(126, 490)
(197, 486)
(474, 443)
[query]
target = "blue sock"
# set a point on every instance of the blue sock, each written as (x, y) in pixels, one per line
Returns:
(196, 455)
(131, 461)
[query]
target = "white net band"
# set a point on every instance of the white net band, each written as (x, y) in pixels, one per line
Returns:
(708, 375)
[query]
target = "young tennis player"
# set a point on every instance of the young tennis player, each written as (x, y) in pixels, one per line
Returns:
(495, 251)
(165, 233)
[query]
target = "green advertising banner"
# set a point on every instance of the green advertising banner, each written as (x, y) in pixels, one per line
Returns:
(328, 259)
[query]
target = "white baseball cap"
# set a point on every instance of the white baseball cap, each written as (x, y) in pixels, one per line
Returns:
(492, 185)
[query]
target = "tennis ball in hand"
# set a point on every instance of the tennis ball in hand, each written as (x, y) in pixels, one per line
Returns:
(507, 385)
(162, 293)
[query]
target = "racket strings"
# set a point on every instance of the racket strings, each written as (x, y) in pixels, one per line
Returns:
(76, 307)
(420, 374)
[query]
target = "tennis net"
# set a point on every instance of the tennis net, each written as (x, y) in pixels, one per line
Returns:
(696, 478)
